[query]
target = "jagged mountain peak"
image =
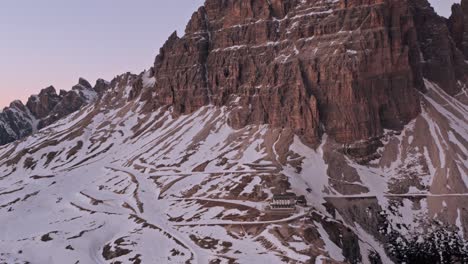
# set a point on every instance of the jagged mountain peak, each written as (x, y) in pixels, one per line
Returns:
(83, 82)
(18, 104)
(46, 108)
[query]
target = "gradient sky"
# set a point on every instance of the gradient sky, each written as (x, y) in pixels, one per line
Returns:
(54, 42)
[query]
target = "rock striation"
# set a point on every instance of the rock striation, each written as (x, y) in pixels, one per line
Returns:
(350, 68)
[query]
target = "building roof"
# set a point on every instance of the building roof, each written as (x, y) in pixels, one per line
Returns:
(285, 196)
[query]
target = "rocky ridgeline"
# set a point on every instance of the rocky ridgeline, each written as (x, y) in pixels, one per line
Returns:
(348, 68)
(19, 120)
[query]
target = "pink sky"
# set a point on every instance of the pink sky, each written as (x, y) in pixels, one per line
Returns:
(54, 42)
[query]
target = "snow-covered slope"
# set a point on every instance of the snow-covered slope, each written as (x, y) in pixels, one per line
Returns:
(113, 183)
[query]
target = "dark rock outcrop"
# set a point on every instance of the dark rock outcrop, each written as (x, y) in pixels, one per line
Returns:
(458, 25)
(101, 86)
(441, 60)
(41, 105)
(16, 122)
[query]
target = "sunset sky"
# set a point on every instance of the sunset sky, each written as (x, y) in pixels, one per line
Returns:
(54, 42)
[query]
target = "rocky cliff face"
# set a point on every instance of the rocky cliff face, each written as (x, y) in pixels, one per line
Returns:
(351, 68)
(348, 68)
(19, 120)
(458, 25)
(442, 62)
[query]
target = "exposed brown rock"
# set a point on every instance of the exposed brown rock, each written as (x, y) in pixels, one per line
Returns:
(101, 86)
(351, 65)
(41, 105)
(69, 102)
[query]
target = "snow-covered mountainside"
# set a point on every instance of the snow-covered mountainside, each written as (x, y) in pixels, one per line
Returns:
(111, 183)
(144, 174)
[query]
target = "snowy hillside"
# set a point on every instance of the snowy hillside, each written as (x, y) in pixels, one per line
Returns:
(113, 184)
